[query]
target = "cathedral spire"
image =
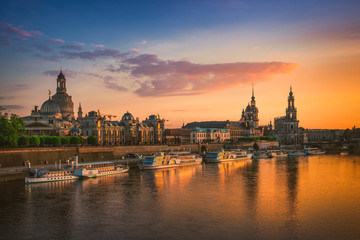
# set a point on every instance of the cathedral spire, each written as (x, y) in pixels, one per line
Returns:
(253, 96)
(80, 113)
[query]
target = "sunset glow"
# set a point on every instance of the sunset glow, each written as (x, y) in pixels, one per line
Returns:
(187, 61)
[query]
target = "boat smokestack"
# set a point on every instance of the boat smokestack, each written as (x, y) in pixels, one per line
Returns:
(75, 159)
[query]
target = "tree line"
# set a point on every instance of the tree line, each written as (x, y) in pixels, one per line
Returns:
(55, 141)
(12, 129)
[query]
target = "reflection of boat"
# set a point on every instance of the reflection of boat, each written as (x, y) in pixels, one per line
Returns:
(97, 169)
(314, 151)
(50, 176)
(160, 160)
(296, 153)
(222, 156)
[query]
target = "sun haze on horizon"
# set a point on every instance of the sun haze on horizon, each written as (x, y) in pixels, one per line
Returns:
(188, 61)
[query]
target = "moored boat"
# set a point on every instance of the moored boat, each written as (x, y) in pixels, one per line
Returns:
(159, 160)
(277, 153)
(223, 156)
(296, 152)
(50, 176)
(314, 151)
(97, 169)
(186, 158)
(260, 155)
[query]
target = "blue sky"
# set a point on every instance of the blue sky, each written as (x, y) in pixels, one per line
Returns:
(194, 49)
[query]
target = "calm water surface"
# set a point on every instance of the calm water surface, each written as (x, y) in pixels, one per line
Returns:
(315, 197)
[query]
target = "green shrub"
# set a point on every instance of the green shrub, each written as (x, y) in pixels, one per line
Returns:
(55, 141)
(34, 141)
(65, 140)
(48, 140)
(74, 140)
(42, 140)
(92, 140)
(23, 141)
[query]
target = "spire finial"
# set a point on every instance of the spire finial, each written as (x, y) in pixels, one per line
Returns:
(61, 69)
(49, 94)
(252, 90)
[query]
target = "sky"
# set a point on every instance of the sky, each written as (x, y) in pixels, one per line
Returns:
(186, 60)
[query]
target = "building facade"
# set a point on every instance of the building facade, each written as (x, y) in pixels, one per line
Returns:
(127, 131)
(55, 116)
(177, 136)
(44, 125)
(216, 135)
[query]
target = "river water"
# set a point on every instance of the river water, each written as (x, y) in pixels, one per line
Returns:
(316, 197)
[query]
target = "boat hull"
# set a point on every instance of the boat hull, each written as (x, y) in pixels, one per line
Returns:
(95, 173)
(30, 180)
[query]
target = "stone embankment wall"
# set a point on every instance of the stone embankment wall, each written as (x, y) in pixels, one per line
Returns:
(40, 156)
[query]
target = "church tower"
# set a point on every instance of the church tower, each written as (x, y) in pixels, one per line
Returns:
(291, 110)
(62, 99)
(291, 116)
(80, 113)
(61, 82)
(250, 117)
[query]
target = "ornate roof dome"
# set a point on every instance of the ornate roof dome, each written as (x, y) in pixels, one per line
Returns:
(153, 117)
(127, 117)
(50, 108)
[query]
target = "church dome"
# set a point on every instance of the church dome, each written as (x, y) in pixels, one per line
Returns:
(127, 117)
(152, 117)
(50, 108)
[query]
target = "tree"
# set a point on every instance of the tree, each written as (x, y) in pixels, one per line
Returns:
(92, 140)
(65, 140)
(74, 140)
(10, 129)
(34, 141)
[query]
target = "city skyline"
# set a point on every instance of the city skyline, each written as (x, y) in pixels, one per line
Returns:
(187, 62)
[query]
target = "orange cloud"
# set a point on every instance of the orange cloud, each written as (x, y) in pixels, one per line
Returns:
(176, 78)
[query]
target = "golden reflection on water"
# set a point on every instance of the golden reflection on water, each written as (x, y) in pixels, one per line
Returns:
(314, 197)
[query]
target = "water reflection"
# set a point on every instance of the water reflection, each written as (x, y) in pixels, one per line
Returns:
(286, 198)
